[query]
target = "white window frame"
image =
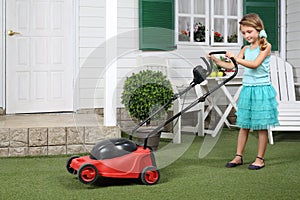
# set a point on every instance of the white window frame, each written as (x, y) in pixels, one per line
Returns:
(226, 17)
(192, 22)
(209, 24)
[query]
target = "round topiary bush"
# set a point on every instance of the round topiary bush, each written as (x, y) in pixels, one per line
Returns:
(144, 92)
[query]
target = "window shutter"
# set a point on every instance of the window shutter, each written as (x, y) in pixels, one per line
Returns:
(268, 12)
(156, 25)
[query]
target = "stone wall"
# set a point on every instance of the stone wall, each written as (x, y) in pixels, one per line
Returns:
(53, 140)
(71, 140)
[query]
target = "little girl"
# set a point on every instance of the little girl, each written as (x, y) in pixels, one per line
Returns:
(257, 106)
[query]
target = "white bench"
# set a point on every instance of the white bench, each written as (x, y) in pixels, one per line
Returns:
(288, 108)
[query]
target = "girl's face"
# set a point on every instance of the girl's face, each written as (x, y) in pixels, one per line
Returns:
(250, 34)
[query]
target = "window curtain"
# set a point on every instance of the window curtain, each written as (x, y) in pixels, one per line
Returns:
(187, 23)
(184, 7)
(232, 24)
(232, 11)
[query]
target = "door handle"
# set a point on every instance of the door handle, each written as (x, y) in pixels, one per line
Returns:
(12, 33)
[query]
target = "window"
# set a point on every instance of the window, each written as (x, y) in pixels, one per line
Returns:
(208, 22)
(203, 22)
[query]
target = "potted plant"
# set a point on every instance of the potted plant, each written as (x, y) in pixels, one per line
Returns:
(199, 32)
(143, 93)
(218, 37)
(183, 36)
(232, 38)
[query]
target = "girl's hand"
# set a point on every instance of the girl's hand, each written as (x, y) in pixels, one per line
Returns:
(211, 57)
(229, 54)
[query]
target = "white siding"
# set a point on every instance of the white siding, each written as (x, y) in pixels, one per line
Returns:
(91, 29)
(92, 52)
(181, 61)
(127, 41)
(293, 37)
(90, 82)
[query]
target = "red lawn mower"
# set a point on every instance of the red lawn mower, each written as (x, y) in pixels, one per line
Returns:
(123, 158)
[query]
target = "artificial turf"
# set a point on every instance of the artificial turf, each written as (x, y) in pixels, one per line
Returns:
(189, 177)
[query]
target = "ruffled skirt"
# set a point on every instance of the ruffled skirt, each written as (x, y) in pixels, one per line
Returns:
(257, 108)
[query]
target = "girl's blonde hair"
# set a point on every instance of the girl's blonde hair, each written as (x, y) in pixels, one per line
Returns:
(254, 21)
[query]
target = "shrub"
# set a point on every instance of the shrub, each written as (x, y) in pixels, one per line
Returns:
(144, 92)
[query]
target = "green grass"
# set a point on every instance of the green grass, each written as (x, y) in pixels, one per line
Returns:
(189, 177)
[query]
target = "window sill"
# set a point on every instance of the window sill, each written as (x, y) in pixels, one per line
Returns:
(211, 45)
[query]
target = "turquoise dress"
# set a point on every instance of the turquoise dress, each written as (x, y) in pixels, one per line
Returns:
(257, 105)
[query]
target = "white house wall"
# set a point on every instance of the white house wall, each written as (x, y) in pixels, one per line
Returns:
(181, 61)
(293, 37)
(92, 48)
(127, 41)
(91, 53)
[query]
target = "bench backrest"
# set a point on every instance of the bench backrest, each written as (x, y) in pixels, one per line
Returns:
(282, 79)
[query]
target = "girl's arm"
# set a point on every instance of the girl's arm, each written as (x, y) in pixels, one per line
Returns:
(228, 65)
(223, 64)
(257, 62)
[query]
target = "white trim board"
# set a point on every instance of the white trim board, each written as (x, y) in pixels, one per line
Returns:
(2, 54)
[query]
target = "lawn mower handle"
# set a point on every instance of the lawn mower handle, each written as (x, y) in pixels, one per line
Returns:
(175, 96)
(236, 68)
(217, 52)
(198, 73)
(200, 99)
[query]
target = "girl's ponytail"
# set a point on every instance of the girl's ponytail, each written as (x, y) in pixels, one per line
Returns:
(263, 42)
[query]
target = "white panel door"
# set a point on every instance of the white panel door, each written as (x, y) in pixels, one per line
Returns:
(39, 56)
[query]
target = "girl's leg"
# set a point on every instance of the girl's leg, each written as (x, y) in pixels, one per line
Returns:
(262, 145)
(242, 139)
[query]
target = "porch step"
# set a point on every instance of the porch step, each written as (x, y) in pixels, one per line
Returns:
(52, 134)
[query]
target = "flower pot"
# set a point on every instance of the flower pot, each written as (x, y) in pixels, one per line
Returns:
(152, 142)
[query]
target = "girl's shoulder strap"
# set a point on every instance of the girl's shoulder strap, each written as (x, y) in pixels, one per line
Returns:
(246, 46)
(244, 49)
